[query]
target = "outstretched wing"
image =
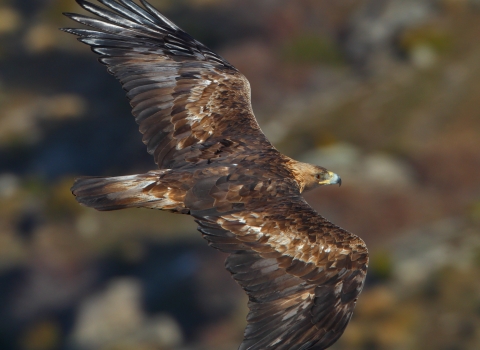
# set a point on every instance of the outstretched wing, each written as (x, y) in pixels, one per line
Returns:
(186, 99)
(302, 273)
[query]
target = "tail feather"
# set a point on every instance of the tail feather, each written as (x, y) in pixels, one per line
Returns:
(114, 193)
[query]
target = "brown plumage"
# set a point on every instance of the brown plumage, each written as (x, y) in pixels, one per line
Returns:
(302, 273)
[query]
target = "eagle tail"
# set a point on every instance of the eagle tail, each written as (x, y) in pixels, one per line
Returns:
(121, 192)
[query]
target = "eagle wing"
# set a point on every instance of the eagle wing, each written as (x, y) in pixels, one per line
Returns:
(186, 99)
(302, 273)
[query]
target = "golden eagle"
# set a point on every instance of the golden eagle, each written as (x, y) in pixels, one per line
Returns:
(302, 273)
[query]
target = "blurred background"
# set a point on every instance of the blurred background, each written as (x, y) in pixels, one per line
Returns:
(385, 93)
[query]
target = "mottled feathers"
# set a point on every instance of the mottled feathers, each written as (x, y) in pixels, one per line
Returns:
(302, 273)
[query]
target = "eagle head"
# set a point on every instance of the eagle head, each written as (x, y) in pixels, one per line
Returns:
(311, 176)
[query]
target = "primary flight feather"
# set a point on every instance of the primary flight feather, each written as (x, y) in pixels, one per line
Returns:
(302, 273)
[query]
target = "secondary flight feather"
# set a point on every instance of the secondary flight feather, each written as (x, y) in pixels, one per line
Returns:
(302, 273)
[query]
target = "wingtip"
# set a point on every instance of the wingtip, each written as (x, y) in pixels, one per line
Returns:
(69, 31)
(73, 16)
(73, 32)
(159, 15)
(82, 2)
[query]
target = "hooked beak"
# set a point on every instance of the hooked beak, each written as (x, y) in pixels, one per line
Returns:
(331, 179)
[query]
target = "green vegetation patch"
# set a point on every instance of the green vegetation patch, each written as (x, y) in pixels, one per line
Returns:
(313, 49)
(433, 36)
(381, 265)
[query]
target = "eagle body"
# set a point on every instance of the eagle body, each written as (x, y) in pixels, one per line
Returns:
(302, 273)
